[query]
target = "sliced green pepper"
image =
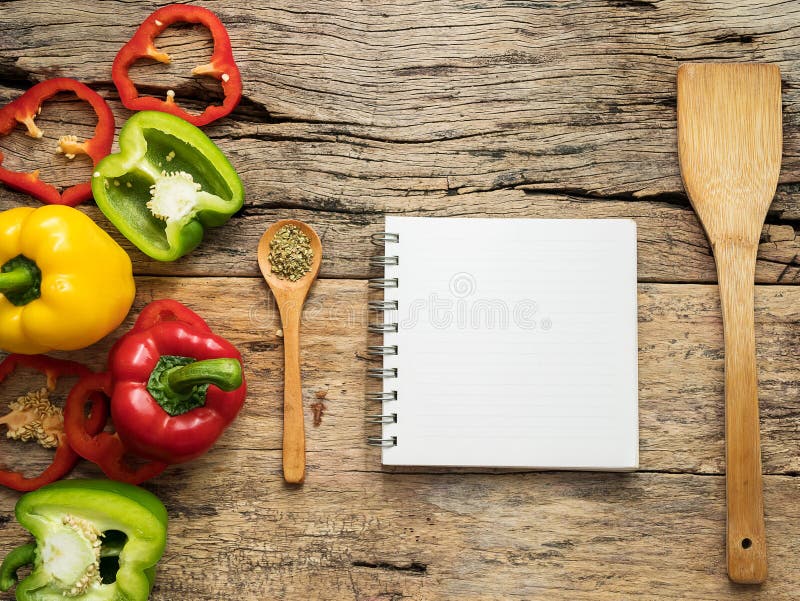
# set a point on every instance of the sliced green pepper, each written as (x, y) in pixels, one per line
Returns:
(96, 540)
(168, 182)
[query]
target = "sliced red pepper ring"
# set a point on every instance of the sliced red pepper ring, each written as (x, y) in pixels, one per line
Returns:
(36, 416)
(142, 45)
(103, 448)
(25, 109)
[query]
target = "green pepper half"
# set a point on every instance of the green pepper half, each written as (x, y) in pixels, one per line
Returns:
(167, 183)
(96, 540)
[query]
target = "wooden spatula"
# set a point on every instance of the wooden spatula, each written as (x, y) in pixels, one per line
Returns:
(729, 144)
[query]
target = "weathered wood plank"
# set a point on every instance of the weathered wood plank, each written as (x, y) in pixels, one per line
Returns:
(680, 359)
(346, 205)
(535, 536)
(236, 527)
(476, 96)
(671, 247)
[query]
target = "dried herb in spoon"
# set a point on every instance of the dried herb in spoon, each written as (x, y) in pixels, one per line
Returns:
(290, 253)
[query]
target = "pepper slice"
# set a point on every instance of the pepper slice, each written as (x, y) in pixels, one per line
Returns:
(141, 45)
(103, 448)
(24, 110)
(24, 420)
(94, 540)
(177, 386)
(168, 182)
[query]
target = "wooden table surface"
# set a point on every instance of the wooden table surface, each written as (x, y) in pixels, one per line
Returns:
(514, 108)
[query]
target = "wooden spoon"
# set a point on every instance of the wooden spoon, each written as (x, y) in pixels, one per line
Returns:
(729, 144)
(290, 297)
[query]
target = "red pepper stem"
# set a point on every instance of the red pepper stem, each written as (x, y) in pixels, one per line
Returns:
(16, 279)
(225, 374)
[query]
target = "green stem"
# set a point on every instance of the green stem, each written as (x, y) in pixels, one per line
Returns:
(180, 384)
(20, 281)
(16, 280)
(225, 374)
(18, 558)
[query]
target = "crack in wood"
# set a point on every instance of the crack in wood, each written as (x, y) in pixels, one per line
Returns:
(667, 198)
(414, 567)
(324, 205)
(786, 269)
(641, 5)
(354, 139)
(730, 38)
(15, 77)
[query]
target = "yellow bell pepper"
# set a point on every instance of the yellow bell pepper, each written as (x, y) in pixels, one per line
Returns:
(64, 282)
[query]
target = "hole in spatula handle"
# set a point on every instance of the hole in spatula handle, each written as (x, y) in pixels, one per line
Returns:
(746, 543)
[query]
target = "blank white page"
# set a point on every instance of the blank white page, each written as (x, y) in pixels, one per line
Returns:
(517, 343)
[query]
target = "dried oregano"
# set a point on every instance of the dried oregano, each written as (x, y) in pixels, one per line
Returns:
(290, 253)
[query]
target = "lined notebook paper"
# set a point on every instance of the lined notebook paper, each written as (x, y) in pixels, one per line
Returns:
(516, 343)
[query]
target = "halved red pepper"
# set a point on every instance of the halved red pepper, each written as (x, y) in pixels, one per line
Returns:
(221, 66)
(25, 109)
(174, 386)
(31, 417)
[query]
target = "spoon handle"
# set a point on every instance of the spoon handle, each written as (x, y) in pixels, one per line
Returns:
(294, 437)
(746, 540)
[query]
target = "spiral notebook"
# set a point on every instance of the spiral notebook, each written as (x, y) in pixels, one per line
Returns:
(507, 343)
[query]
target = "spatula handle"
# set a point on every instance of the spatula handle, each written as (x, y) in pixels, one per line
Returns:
(746, 541)
(294, 437)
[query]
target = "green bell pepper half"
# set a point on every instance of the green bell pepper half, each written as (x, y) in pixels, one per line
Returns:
(167, 183)
(96, 540)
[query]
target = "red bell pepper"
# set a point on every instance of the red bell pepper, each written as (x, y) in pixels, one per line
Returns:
(142, 45)
(33, 417)
(103, 448)
(25, 109)
(177, 385)
(174, 386)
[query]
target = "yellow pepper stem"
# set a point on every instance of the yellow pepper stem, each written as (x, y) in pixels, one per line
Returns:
(20, 281)
(15, 280)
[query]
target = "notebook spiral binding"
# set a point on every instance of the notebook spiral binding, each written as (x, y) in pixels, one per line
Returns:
(382, 239)
(384, 305)
(377, 441)
(383, 260)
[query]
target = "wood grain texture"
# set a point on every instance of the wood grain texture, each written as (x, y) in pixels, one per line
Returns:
(553, 108)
